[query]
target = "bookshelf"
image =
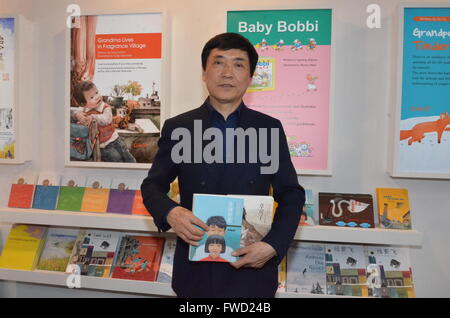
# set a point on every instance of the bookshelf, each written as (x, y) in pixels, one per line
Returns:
(137, 223)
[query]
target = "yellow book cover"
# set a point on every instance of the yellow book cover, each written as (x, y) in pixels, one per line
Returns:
(393, 208)
(95, 200)
(282, 275)
(23, 247)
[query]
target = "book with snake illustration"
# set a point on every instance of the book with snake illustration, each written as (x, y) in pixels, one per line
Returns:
(346, 210)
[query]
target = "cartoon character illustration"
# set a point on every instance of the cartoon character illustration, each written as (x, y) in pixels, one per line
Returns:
(279, 45)
(312, 44)
(311, 82)
(264, 45)
(136, 265)
(417, 133)
(297, 45)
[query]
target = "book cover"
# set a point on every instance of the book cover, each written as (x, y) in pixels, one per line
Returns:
(389, 272)
(46, 192)
(393, 208)
(346, 270)
(138, 258)
(121, 196)
(58, 247)
(71, 193)
(96, 194)
(223, 215)
(257, 217)
(138, 205)
(346, 210)
(22, 191)
(282, 272)
(94, 252)
(306, 268)
(23, 247)
(308, 216)
(166, 267)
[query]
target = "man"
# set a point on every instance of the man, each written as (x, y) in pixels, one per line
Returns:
(228, 61)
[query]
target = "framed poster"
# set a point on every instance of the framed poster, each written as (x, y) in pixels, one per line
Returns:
(15, 66)
(422, 121)
(292, 81)
(116, 89)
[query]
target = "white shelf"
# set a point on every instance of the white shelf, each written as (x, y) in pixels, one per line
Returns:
(145, 224)
(87, 282)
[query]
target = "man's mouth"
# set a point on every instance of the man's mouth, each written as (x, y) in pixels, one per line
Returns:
(226, 85)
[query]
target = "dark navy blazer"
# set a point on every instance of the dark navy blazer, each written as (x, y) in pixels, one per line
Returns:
(209, 279)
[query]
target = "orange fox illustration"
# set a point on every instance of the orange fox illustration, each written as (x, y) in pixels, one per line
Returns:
(417, 133)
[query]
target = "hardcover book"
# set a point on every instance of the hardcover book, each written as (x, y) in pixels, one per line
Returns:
(389, 272)
(94, 253)
(46, 192)
(223, 215)
(346, 210)
(23, 247)
(308, 216)
(58, 248)
(138, 258)
(393, 208)
(306, 268)
(121, 196)
(166, 267)
(71, 193)
(22, 192)
(96, 195)
(346, 270)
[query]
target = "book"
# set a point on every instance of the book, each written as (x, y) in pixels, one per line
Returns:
(94, 253)
(308, 216)
(58, 247)
(306, 268)
(389, 272)
(346, 210)
(223, 215)
(46, 192)
(22, 191)
(166, 267)
(393, 208)
(138, 205)
(23, 247)
(121, 196)
(282, 272)
(346, 270)
(71, 193)
(96, 194)
(138, 258)
(257, 217)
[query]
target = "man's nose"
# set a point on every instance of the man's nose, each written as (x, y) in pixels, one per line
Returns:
(227, 70)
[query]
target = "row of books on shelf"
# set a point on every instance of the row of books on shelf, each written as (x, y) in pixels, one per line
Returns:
(308, 268)
(98, 253)
(348, 270)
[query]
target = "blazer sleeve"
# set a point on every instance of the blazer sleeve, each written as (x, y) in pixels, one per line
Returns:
(290, 197)
(157, 183)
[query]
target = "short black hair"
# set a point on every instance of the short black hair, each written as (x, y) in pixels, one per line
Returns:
(79, 91)
(215, 239)
(229, 41)
(218, 221)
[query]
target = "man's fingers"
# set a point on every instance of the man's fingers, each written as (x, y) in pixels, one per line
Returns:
(240, 263)
(195, 220)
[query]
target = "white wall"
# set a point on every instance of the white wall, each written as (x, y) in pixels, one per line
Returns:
(362, 109)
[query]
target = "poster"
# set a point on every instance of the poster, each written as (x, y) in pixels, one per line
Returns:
(7, 89)
(115, 89)
(292, 81)
(423, 134)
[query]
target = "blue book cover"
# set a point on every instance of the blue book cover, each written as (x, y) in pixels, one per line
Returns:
(224, 217)
(45, 197)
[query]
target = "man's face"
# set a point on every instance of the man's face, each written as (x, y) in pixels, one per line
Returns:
(227, 76)
(215, 230)
(93, 98)
(214, 250)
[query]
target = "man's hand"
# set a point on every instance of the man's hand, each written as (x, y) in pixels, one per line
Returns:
(182, 222)
(255, 255)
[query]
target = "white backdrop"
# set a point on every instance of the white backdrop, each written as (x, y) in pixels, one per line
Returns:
(362, 111)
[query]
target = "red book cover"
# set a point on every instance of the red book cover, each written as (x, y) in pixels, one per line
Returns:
(21, 196)
(138, 205)
(139, 258)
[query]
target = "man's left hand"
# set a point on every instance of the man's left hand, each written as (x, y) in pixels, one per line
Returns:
(254, 255)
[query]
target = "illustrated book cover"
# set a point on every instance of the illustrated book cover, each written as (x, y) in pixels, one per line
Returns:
(393, 208)
(71, 193)
(346, 210)
(138, 258)
(223, 215)
(46, 192)
(96, 194)
(58, 247)
(166, 267)
(121, 196)
(308, 216)
(22, 191)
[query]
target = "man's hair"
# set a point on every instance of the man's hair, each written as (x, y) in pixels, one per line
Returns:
(218, 221)
(229, 41)
(215, 239)
(79, 91)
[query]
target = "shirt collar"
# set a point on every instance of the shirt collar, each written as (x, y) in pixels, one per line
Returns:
(214, 112)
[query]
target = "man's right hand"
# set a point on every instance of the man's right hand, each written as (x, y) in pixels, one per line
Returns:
(183, 223)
